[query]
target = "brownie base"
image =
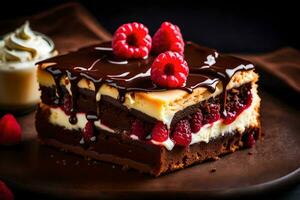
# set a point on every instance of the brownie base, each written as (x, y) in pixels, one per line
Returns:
(119, 148)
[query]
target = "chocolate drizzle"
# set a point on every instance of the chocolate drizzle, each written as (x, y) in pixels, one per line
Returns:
(98, 64)
(222, 67)
(57, 74)
(74, 89)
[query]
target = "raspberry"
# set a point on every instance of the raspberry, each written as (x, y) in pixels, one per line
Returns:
(250, 141)
(159, 132)
(67, 106)
(88, 131)
(137, 129)
(168, 38)
(230, 117)
(5, 192)
(10, 130)
(169, 70)
(182, 134)
(211, 113)
(131, 41)
(236, 106)
(196, 121)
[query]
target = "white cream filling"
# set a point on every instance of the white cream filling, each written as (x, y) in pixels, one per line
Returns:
(208, 132)
(169, 144)
(58, 117)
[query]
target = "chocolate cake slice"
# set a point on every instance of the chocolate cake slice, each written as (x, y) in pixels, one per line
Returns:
(96, 104)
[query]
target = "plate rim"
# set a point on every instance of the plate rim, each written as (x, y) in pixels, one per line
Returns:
(292, 178)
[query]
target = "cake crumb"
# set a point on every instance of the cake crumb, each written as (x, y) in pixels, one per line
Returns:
(77, 162)
(113, 166)
(57, 162)
(64, 162)
(51, 156)
(213, 170)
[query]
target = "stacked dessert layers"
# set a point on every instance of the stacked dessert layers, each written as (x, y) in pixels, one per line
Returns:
(98, 105)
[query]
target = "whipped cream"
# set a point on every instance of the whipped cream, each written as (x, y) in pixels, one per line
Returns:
(23, 47)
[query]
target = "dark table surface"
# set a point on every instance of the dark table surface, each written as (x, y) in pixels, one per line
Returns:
(245, 27)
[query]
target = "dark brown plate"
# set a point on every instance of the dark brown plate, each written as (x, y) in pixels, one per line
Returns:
(274, 162)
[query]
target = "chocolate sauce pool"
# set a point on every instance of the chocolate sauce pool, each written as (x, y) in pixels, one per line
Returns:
(98, 64)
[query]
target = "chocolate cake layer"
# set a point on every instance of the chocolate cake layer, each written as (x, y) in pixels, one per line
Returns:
(141, 155)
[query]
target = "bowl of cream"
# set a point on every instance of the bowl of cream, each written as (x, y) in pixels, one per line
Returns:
(19, 51)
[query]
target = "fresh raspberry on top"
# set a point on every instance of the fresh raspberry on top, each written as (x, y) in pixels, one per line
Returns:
(168, 38)
(137, 129)
(182, 134)
(131, 41)
(169, 70)
(159, 132)
(10, 130)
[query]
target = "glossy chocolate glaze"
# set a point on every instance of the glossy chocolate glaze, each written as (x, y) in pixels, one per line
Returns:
(98, 64)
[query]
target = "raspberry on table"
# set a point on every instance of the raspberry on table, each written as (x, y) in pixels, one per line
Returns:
(182, 134)
(159, 132)
(169, 70)
(5, 192)
(168, 38)
(10, 130)
(131, 40)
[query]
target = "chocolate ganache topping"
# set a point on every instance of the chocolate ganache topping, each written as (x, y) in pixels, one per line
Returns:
(98, 64)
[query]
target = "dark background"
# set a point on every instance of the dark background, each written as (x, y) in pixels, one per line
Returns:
(244, 27)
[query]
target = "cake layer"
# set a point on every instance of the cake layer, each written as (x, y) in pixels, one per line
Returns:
(115, 120)
(129, 82)
(143, 156)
